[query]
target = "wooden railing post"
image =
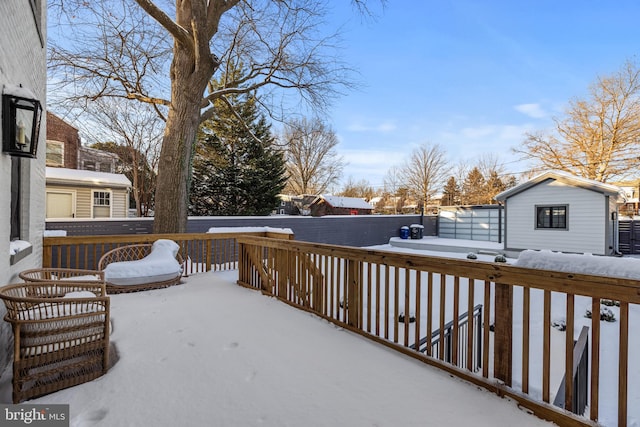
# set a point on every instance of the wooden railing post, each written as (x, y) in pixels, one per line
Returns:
(47, 254)
(353, 296)
(503, 333)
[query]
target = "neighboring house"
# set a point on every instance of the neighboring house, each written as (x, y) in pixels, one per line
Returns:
(287, 206)
(335, 205)
(75, 193)
(63, 141)
(91, 159)
(22, 63)
(64, 149)
(631, 191)
(561, 212)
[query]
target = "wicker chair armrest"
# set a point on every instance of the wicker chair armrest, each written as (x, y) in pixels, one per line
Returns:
(124, 253)
(49, 274)
(44, 300)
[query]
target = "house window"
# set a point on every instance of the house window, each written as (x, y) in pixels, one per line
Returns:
(105, 167)
(90, 166)
(551, 217)
(55, 153)
(101, 204)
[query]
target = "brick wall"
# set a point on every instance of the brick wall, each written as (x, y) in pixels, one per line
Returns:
(59, 130)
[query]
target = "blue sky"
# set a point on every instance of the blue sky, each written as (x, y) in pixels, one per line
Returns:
(472, 76)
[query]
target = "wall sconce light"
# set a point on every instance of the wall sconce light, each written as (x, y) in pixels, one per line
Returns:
(21, 114)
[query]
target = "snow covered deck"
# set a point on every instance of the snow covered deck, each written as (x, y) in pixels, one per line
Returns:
(437, 244)
(209, 352)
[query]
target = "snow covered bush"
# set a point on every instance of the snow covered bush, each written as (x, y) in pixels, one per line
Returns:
(605, 314)
(559, 324)
(412, 318)
(500, 258)
(471, 255)
(610, 302)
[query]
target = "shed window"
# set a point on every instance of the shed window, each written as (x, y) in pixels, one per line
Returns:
(101, 204)
(551, 217)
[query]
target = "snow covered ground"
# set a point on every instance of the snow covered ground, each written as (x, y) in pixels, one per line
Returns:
(210, 353)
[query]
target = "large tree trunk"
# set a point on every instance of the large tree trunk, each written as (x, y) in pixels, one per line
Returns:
(189, 81)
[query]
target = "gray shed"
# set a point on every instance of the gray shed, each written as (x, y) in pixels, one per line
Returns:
(562, 212)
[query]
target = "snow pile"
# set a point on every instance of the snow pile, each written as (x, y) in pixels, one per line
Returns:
(55, 233)
(222, 230)
(580, 264)
(16, 246)
(159, 265)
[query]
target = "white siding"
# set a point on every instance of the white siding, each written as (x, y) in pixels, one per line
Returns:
(22, 61)
(587, 219)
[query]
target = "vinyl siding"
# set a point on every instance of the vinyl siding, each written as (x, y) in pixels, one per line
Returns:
(84, 200)
(587, 219)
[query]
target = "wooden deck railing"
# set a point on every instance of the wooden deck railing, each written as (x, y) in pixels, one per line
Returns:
(201, 251)
(368, 291)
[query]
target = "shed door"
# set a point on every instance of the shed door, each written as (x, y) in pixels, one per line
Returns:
(59, 205)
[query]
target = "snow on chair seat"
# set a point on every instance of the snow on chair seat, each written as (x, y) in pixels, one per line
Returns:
(61, 334)
(142, 267)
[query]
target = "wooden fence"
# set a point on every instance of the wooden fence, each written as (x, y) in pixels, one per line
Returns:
(201, 251)
(373, 293)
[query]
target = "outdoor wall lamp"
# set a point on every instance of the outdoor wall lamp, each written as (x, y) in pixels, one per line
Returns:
(21, 114)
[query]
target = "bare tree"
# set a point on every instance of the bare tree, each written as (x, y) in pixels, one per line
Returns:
(361, 189)
(425, 172)
(599, 137)
(134, 133)
(282, 44)
(393, 182)
(313, 163)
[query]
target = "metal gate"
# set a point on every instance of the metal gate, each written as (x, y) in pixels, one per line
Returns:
(629, 235)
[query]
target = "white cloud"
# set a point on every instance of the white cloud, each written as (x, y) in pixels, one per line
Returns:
(532, 110)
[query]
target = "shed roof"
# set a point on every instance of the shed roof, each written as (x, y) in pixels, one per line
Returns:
(84, 177)
(346, 202)
(567, 178)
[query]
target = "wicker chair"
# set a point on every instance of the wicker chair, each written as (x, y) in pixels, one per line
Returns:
(134, 253)
(60, 339)
(70, 274)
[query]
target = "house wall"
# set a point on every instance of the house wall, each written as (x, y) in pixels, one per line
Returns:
(22, 61)
(586, 219)
(60, 131)
(84, 200)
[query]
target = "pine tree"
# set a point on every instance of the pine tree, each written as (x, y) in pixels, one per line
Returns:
(451, 193)
(473, 188)
(494, 186)
(237, 169)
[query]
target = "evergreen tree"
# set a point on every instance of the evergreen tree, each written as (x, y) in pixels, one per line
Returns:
(451, 193)
(473, 188)
(494, 186)
(237, 169)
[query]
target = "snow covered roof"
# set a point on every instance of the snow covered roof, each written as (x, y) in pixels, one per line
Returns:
(346, 202)
(567, 178)
(75, 176)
